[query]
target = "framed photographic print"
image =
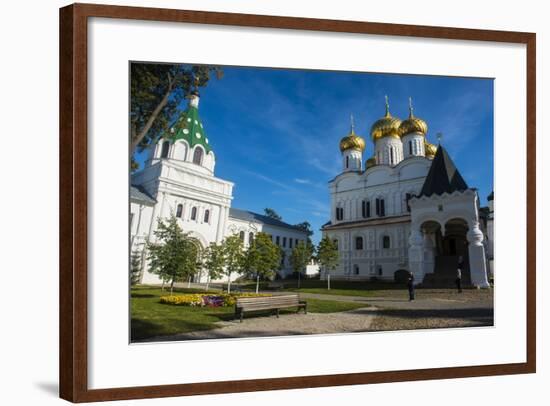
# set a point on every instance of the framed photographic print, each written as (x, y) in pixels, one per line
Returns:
(275, 202)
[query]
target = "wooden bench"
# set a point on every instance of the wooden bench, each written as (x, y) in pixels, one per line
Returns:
(253, 304)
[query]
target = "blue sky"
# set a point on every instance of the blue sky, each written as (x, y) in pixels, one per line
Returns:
(275, 133)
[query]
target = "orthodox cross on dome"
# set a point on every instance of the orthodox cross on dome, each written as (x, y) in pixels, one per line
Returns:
(411, 107)
(196, 80)
(387, 106)
(439, 137)
(352, 124)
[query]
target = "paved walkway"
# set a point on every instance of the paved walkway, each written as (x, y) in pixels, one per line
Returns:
(287, 324)
(395, 302)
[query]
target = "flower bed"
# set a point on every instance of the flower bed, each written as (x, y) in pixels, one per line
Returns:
(204, 299)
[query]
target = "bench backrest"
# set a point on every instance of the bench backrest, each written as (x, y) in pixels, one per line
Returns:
(284, 300)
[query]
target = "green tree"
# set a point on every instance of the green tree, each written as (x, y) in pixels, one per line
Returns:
(262, 258)
(175, 256)
(234, 257)
(300, 257)
(213, 261)
(305, 226)
(157, 89)
(272, 214)
(327, 256)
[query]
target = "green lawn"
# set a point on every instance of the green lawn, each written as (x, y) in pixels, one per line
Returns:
(337, 288)
(150, 318)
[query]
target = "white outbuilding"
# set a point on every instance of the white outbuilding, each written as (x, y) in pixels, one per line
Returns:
(178, 179)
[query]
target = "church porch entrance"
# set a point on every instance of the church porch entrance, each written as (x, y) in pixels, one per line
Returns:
(446, 248)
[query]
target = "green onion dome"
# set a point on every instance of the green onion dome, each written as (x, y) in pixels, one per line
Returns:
(188, 126)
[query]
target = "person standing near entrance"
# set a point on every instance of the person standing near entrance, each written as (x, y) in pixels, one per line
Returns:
(459, 277)
(410, 285)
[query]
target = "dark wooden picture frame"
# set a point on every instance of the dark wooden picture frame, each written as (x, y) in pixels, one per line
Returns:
(73, 201)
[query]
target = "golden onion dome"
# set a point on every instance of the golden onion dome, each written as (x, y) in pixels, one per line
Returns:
(413, 124)
(430, 149)
(352, 140)
(371, 162)
(387, 126)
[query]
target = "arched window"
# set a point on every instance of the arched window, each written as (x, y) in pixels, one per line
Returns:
(335, 242)
(365, 208)
(339, 213)
(194, 213)
(197, 156)
(165, 149)
(179, 210)
(347, 162)
(386, 242)
(380, 207)
(206, 216)
(410, 147)
(356, 269)
(358, 243)
(392, 158)
(251, 238)
(241, 236)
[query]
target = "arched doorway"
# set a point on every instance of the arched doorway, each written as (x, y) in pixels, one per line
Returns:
(443, 250)
(454, 250)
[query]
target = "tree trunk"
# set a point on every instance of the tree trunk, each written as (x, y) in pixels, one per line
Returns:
(189, 283)
(172, 287)
(257, 283)
(207, 282)
(229, 283)
(136, 138)
(328, 281)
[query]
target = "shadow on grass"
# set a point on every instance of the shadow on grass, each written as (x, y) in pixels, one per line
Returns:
(481, 316)
(142, 295)
(145, 330)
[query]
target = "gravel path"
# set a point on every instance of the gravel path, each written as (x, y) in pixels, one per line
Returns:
(287, 324)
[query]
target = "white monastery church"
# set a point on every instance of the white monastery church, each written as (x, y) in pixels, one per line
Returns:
(408, 209)
(178, 179)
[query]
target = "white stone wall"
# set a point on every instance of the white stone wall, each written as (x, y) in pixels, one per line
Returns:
(388, 151)
(442, 209)
(348, 190)
(372, 260)
(177, 181)
(180, 152)
(173, 182)
(413, 145)
(352, 160)
(140, 225)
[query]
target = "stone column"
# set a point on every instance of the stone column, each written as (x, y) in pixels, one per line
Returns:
(416, 260)
(428, 254)
(478, 269)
